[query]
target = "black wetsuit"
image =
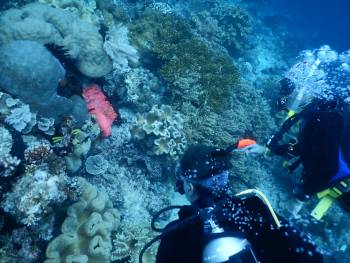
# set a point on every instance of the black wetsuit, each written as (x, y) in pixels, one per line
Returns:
(323, 134)
(249, 218)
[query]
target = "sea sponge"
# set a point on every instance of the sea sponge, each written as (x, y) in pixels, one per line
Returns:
(162, 126)
(86, 232)
(47, 24)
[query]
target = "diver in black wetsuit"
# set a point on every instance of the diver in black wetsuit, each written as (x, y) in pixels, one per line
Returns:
(322, 148)
(219, 227)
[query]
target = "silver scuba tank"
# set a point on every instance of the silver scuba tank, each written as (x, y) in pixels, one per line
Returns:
(224, 248)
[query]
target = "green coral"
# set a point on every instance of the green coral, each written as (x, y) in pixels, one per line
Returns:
(180, 54)
(86, 232)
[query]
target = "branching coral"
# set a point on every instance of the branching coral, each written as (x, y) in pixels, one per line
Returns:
(143, 89)
(226, 24)
(161, 127)
(8, 163)
(249, 115)
(182, 54)
(33, 195)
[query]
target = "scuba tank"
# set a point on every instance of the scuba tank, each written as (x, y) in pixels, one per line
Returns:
(221, 246)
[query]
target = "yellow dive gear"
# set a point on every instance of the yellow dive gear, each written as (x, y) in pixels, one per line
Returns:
(327, 198)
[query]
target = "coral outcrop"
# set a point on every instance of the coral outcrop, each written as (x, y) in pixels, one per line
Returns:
(181, 54)
(86, 232)
(161, 129)
(23, 75)
(226, 24)
(46, 24)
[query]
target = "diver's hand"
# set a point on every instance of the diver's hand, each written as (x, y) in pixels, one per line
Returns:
(254, 149)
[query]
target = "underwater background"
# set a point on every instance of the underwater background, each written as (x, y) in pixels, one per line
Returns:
(100, 98)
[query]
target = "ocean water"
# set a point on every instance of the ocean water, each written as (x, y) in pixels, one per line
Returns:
(100, 99)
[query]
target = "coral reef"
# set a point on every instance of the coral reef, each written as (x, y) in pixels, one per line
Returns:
(86, 10)
(47, 125)
(41, 187)
(161, 130)
(137, 198)
(81, 144)
(8, 163)
(119, 49)
(143, 89)
(179, 73)
(45, 24)
(226, 24)
(22, 75)
(32, 196)
(182, 54)
(96, 164)
(86, 232)
(5, 142)
(248, 116)
(21, 119)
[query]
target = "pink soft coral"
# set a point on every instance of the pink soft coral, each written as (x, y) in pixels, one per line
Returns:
(100, 107)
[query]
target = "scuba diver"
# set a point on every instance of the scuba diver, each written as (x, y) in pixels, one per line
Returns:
(319, 86)
(220, 227)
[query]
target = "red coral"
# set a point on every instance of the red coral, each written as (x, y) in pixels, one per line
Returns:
(100, 107)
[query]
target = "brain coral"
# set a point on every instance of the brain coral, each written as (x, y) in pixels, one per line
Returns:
(162, 129)
(46, 24)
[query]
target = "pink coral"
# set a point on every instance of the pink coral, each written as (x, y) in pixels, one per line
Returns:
(100, 107)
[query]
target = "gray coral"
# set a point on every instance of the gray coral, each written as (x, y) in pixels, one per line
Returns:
(45, 24)
(23, 75)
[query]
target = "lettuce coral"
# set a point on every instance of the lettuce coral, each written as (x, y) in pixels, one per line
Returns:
(162, 128)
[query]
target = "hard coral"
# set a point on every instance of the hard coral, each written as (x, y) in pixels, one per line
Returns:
(46, 24)
(226, 24)
(100, 107)
(180, 53)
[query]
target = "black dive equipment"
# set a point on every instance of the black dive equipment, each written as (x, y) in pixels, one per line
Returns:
(221, 246)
